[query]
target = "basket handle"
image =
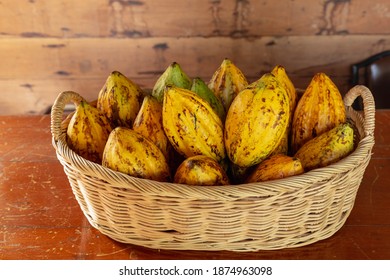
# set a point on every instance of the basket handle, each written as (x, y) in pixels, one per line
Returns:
(57, 111)
(368, 106)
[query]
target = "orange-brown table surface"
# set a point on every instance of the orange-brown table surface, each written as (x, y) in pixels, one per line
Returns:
(41, 219)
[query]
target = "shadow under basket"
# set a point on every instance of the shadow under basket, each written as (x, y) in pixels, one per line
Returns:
(284, 213)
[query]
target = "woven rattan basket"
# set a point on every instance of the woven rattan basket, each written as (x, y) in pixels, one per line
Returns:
(277, 214)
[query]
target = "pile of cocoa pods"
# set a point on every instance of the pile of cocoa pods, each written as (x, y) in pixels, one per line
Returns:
(225, 131)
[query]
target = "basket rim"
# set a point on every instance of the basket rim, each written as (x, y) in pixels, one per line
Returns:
(233, 191)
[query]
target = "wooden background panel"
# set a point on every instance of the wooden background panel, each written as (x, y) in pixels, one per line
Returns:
(51, 46)
(82, 65)
(148, 57)
(154, 18)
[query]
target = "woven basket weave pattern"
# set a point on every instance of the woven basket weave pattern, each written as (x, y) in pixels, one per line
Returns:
(277, 214)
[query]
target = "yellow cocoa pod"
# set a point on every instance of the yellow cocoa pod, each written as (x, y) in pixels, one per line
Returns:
(149, 124)
(191, 124)
(202, 171)
(280, 73)
(327, 148)
(87, 132)
(227, 81)
(256, 122)
(320, 109)
(131, 153)
(120, 99)
(276, 167)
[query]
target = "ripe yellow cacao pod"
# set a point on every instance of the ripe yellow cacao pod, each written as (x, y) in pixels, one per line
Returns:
(120, 99)
(149, 124)
(280, 73)
(88, 131)
(276, 167)
(131, 153)
(320, 109)
(256, 122)
(227, 81)
(191, 124)
(202, 171)
(327, 148)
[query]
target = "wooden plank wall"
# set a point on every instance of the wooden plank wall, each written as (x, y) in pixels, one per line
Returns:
(51, 46)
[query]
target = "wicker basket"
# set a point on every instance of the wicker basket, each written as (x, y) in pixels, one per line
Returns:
(277, 214)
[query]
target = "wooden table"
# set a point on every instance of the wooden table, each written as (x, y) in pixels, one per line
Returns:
(40, 218)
